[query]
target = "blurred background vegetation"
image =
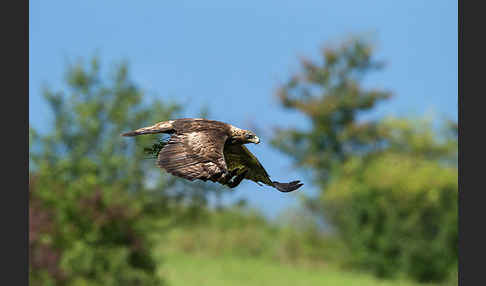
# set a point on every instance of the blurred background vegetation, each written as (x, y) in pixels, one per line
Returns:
(102, 213)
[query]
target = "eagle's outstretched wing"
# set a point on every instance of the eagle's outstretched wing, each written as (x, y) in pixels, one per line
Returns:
(239, 158)
(194, 155)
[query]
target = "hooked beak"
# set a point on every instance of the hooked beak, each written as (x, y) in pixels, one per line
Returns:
(256, 140)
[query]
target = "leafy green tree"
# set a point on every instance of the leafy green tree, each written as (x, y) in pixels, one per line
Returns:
(96, 195)
(388, 187)
(331, 96)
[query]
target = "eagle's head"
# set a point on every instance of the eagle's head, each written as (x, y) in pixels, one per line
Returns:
(250, 137)
(243, 136)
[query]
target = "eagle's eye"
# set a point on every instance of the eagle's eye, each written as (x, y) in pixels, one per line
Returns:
(249, 136)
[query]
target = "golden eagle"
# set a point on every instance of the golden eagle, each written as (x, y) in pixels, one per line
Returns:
(210, 150)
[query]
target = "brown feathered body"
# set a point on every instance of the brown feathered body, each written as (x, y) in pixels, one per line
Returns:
(210, 150)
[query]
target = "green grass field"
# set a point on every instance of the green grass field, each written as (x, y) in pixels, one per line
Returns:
(187, 270)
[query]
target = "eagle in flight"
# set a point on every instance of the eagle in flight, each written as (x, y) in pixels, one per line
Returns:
(210, 150)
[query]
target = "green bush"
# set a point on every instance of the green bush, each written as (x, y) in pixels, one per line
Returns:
(81, 234)
(397, 214)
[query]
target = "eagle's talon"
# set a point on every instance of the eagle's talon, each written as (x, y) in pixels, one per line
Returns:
(227, 176)
(237, 180)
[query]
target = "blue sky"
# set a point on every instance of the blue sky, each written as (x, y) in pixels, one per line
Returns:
(231, 56)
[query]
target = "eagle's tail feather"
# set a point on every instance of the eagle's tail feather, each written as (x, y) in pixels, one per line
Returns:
(161, 127)
(287, 187)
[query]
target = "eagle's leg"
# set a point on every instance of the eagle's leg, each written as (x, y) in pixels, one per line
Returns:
(226, 177)
(237, 180)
